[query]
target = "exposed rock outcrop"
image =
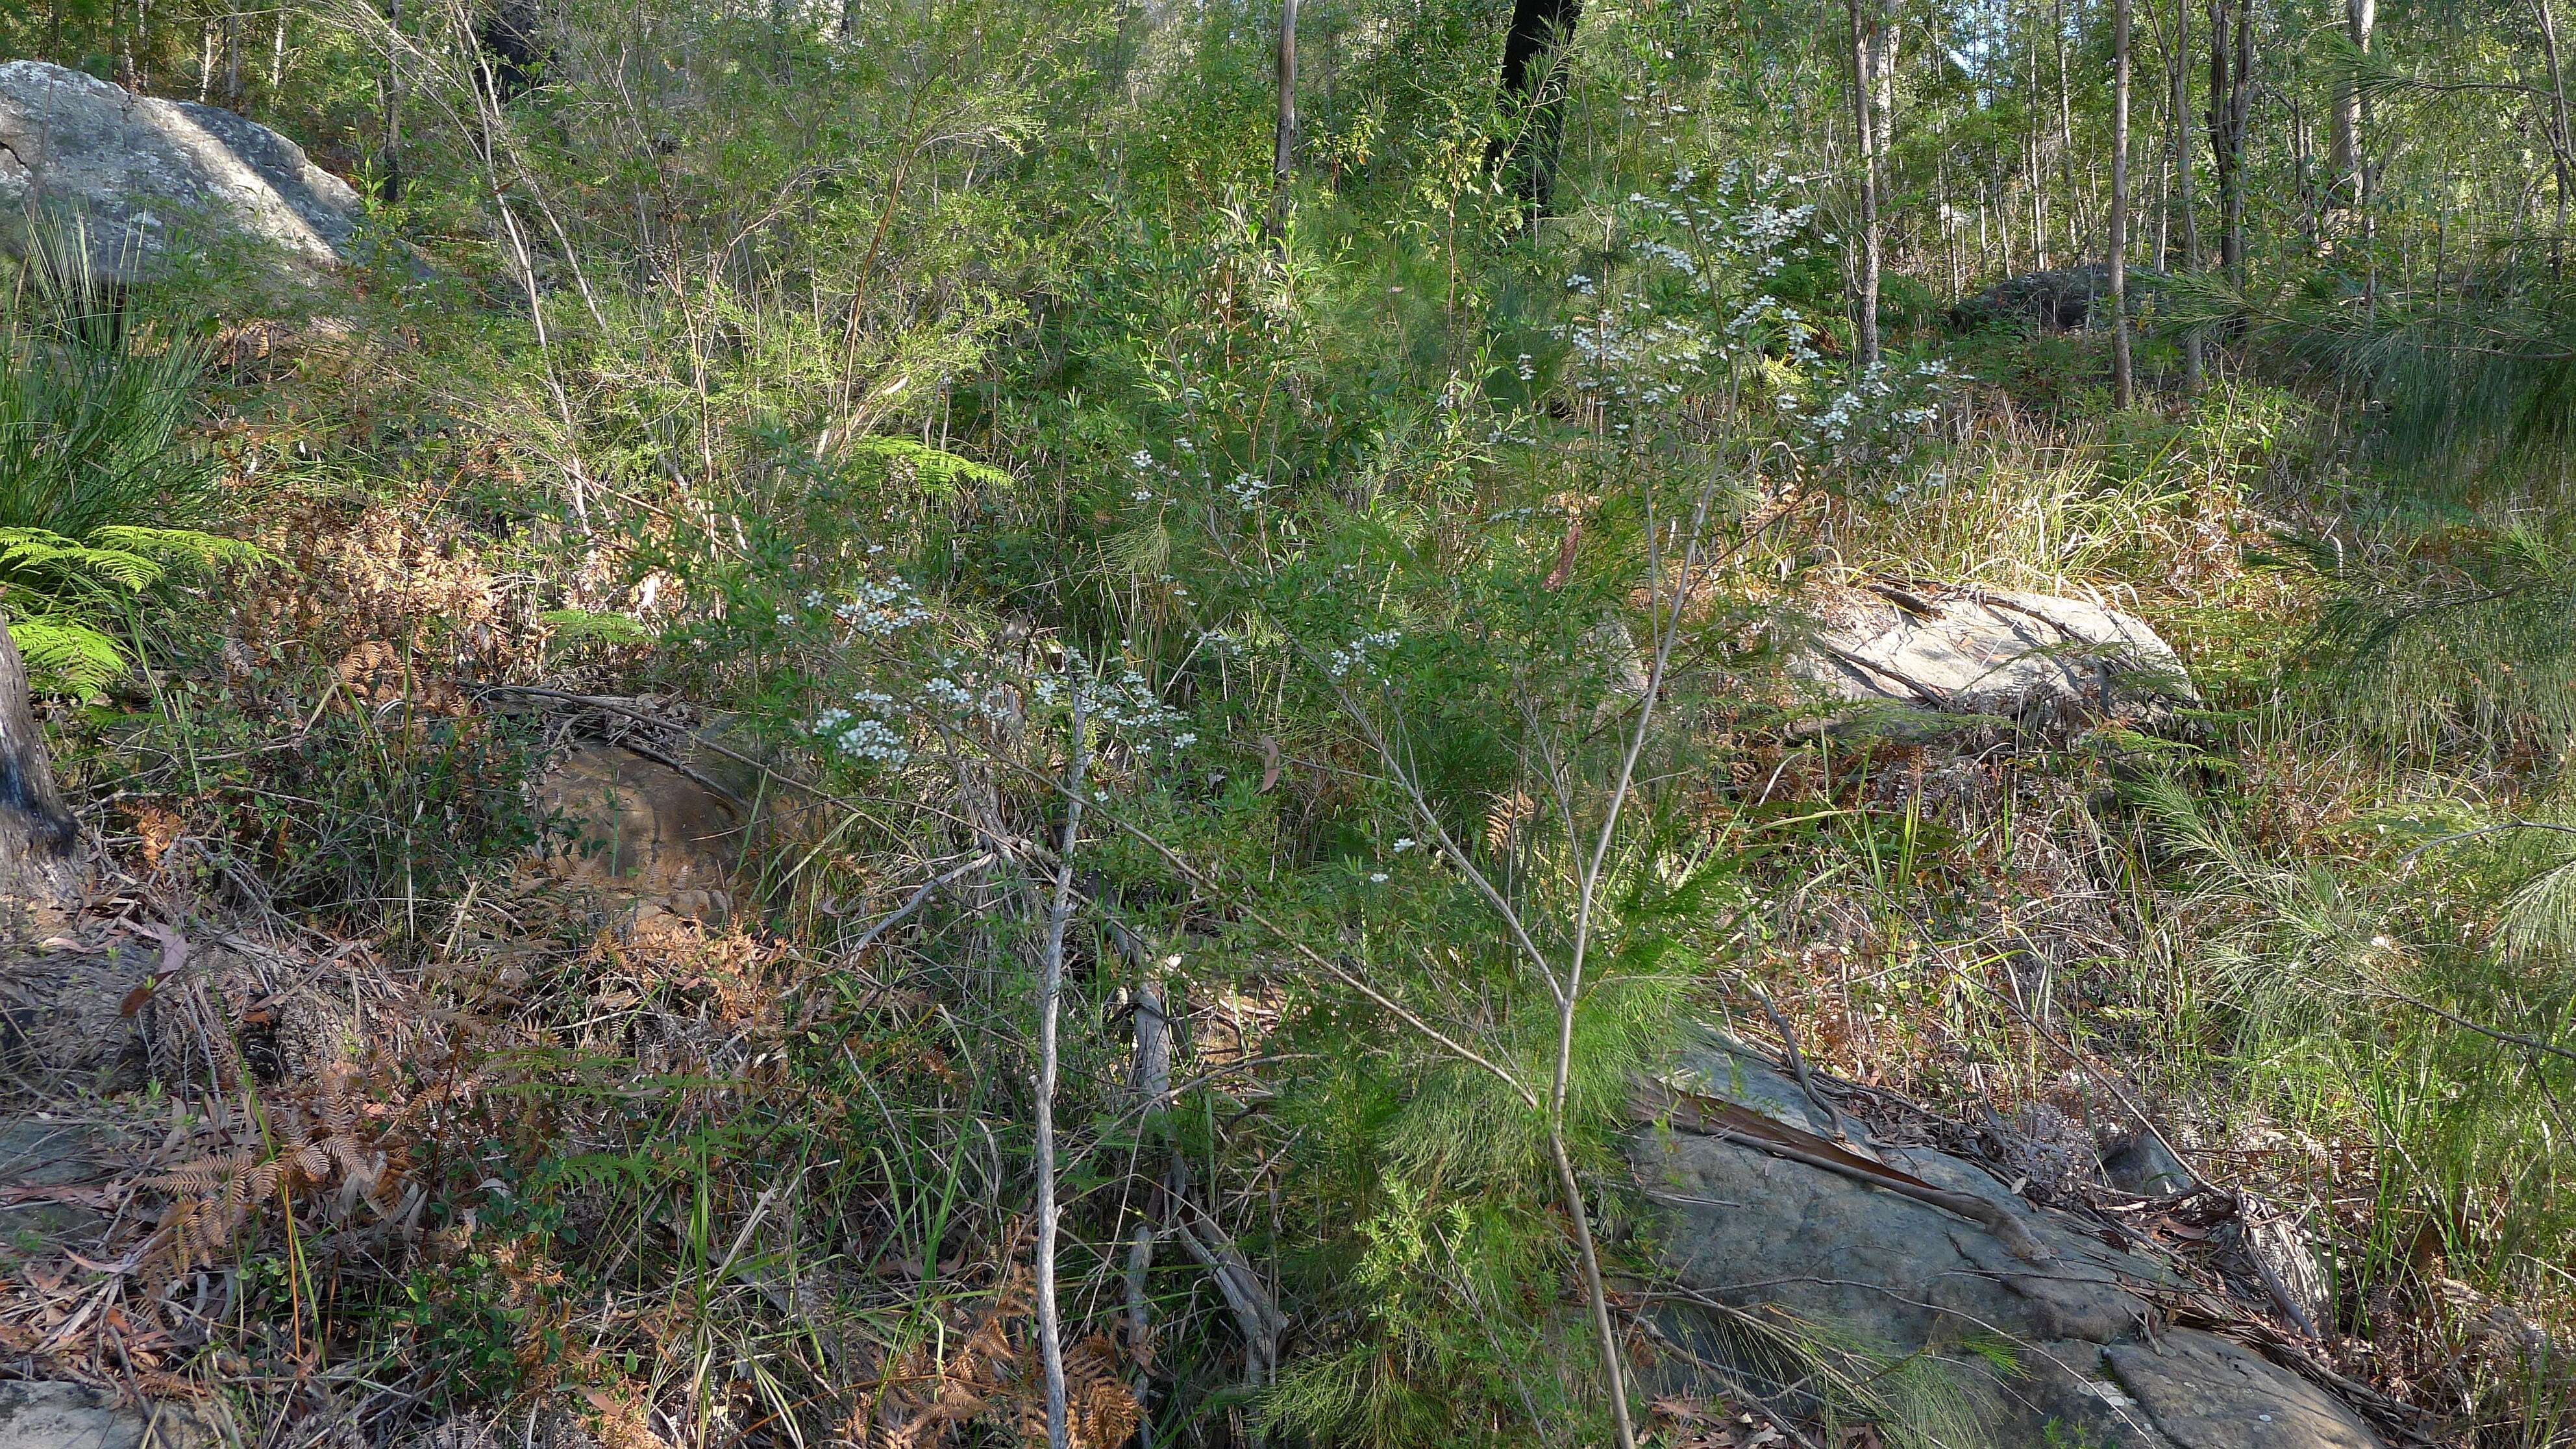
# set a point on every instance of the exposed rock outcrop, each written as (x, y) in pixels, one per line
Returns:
(77, 1416)
(2033, 1331)
(662, 832)
(2060, 300)
(155, 180)
(2033, 658)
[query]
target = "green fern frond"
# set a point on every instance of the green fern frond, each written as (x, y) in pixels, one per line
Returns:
(37, 549)
(180, 545)
(577, 626)
(63, 655)
(936, 468)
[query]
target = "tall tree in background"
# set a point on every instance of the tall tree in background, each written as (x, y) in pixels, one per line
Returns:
(1283, 153)
(2183, 195)
(1865, 129)
(393, 100)
(2231, 101)
(2561, 142)
(1534, 91)
(2352, 173)
(1884, 38)
(2066, 136)
(2123, 384)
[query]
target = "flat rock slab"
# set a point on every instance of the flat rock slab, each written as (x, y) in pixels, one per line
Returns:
(49, 1171)
(64, 1018)
(2008, 1350)
(152, 177)
(77, 1416)
(2032, 658)
(635, 829)
(2198, 1388)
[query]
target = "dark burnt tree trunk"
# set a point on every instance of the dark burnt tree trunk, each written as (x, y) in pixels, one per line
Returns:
(37, 835)
(1534, 97)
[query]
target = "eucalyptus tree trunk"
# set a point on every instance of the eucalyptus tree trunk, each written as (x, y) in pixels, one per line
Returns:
(2123, 382)
(2352, 174)
(1865, 326)
(2231, 97)
(2066, 138)
(1534, 90)
(2561, 142)
(2240, 110)
(1884, 43)
(393, 100)
(1283, 146)
(2183, 197)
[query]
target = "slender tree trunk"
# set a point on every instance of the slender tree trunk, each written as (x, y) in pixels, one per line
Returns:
(1283, 145)
(1050, 1001)
(2231, 93)
(2030, 154)
(1534, 85)
(2189, 204)
(2066, 138)
(2240, 109)
(1865, 327)
(1883, 44)
(1951, 227)
(2352, 181)
(2164, 208)
(2560, 143)
(277, 56)
(2123, 384)
(394, 100)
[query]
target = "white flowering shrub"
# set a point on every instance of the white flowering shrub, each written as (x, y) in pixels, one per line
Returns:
(1712, 294)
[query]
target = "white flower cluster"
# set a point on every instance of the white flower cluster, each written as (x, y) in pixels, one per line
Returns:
(1880, 412)
(1765, 313)
(861, 734)
(1354, 655)
(1723, 245)
(881, 606)
(1638, 357)
(1128, 704)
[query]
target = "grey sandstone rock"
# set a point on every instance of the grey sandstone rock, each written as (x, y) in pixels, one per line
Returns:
(2035, 658)
(77, 1416)
(2073, 1347)
(153, 179)
(2140, 1163)
(63, 1016)
(45, 1163)
(2058, 300)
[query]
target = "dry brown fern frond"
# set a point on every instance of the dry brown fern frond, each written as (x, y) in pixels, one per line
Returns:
(928, 1397)
(214, 1196)
(726, 968)
(1100, 1409)
(990, 1377)
(208, 1203)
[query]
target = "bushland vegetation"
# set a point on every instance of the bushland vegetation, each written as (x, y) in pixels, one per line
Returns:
(1259, 637)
